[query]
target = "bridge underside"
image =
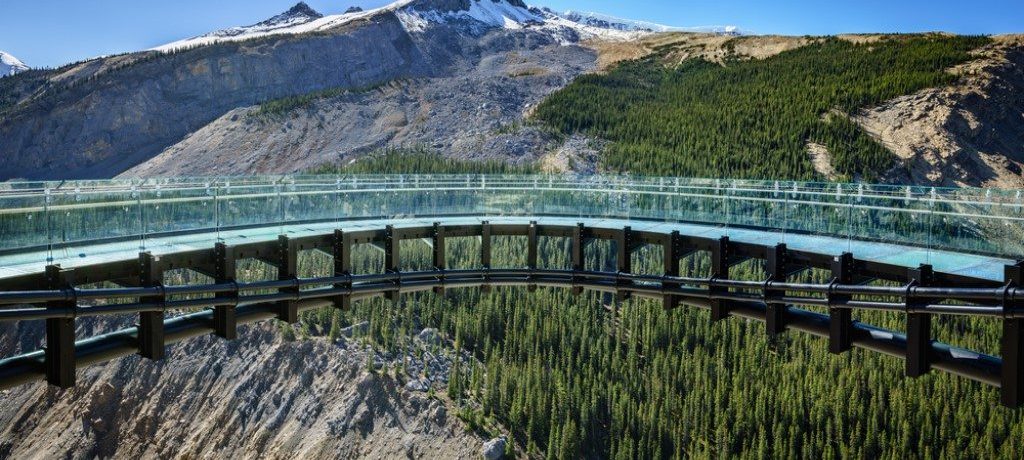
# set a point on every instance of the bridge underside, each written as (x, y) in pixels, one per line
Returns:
(987, 283)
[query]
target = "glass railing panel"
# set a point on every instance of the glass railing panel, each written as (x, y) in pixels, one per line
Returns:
(107, 215)
(885, 215)
(24, 220)
(169, 208)
(240, 205)
(311, 201)
(978, 221)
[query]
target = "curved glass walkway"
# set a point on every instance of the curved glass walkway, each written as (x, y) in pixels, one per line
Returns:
(969, 232)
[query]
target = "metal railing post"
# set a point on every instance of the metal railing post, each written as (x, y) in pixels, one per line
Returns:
(720, 256)
(59, 356)
(440, 264)
(671, 251)
(531, 252)
(225, 324)
(288, 269)
(392, 259)
(775, 312)
(578, 259)
(919, 338)
(342, 251)
(840, 332)
(151, 323)
(485, 252)
(1012, 345)
(624, 260)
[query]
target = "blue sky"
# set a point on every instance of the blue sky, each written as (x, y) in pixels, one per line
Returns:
(55, 32)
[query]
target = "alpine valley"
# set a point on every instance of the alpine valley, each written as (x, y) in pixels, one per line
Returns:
(437, 86)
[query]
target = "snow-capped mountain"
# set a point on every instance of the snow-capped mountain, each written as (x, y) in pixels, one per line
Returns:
(603, 21)
(475, 15)
(297, 16)
(10, 65)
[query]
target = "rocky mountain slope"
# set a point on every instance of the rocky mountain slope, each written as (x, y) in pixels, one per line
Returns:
(103, 116)
(10, 65)
(967, 134)
(260, 396)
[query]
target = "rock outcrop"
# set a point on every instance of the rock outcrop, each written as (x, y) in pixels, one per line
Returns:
(260, 396)
(968, 134)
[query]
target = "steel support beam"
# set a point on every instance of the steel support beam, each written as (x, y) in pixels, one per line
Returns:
(531, 251)
(720, 256)
(1012, 346)
(151, 323)
(840, 332)
(287, 269)
(392, 258)
(440, 263)
(775, 267)
(672, 255)
(59, 357)
(485, 251)
(624, 259)
(225, 324)
(919, 327)
(578, 248)
(341, 249)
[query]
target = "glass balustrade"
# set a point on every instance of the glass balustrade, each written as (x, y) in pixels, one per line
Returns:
(57, 218)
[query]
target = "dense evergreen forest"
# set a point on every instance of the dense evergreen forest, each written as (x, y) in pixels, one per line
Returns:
(583, 376)
(420, 160)
(752, 118)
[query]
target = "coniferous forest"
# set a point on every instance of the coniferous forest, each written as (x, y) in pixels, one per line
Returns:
(752, 118)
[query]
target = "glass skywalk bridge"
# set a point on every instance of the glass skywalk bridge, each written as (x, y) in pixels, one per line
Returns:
(942, 251)
(968, 232)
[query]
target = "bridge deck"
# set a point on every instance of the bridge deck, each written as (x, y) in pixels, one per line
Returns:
(967, 265)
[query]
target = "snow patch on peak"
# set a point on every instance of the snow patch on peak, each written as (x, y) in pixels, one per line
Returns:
(473, 15)
(507, 14)
(603, 21)
(299, 19)
(610, 22)
(10, 65)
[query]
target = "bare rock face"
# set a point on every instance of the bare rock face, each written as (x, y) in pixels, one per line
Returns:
(256, 397)
(494, 449)
(473, 113)
(967, 134)
(115, 119)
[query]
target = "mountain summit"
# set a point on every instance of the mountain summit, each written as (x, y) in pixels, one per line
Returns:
(476, 16)
(298, 15)
(10, 65)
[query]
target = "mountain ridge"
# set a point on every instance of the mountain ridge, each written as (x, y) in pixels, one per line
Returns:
(10, 65)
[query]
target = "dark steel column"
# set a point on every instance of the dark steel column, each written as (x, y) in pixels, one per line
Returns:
(1012, 346)
(840, 326)
(392, 258)
(151, 323)
(342, 251)
(531, 252)
(919, 327)
(624, 261)
(60, 333)
(775, 268)
(577, 254)
(440, 264)
(485, 252)
(671, 251)
(720, 255)
(287, 269)
(225, 324)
